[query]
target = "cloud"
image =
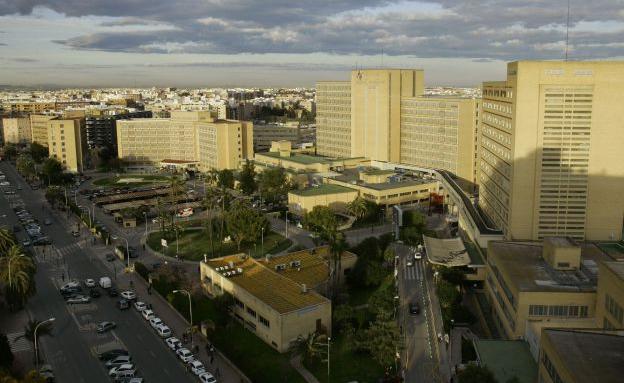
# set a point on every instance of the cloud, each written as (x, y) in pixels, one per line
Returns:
(481, 30)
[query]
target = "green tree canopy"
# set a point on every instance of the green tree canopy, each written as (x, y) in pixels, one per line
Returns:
(25, 165)
(226, 179)
(53, 171)
(476, 374)
(273, 184)
(447, 294)
(321, 220)
(245, 223)
(247, 178)
(38, 152)
(10, 151)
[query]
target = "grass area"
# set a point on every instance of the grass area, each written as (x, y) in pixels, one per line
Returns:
(131, 180)
(194, 243)
(348, 365)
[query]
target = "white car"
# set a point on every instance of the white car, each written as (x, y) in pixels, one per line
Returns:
(417, 256)
(89, 282)
(184, 354)
(173, 343)
(128, 295)
(121, 370)
(155, 322)
(140, 306)
(119, 361)
(147, 314)
(207, 377)
(163, 331)
(197, 367)
(410, 263)
(4, 183)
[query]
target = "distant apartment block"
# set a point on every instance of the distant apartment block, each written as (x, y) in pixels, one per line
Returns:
(296, 133)
(16, 130)
(102, 129)
(191, 137)
(549, 156)
(39, 125)
(67, 142)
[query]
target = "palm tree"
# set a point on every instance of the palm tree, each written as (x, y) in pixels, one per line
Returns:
(310, 346)
(337, 245)
(358, 207)
(209, 202)
(16, 273)
(6, 240)
(177, 187)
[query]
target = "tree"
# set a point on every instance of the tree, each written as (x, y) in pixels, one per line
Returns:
(53, 170)
(6, 355)
(343, 316)
(16, 273)
(176, 188)
(383, 340)
(476, 374)
(321, 220)
(453, 275)
(25, 165)
(247, 178)
(38, 152)
(309, 347)
(10, 151)
(30, 377)
(226, 179)
(447, 294)
(358, 207)
(273, 184)
(382, 301)
(245, 223)
(7, 240)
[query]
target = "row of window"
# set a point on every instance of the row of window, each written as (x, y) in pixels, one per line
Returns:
(614, 308)
(558, 310)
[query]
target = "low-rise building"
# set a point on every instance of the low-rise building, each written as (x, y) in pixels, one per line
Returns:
(293, 131)
(335, 196)
(610, 300)
(278, 298)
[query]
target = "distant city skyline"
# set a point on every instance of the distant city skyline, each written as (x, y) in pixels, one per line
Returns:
(212, 43)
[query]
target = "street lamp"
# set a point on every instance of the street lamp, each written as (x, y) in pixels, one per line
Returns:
(115, 237)
(10, 259)
(145, 214)
(190, 308)
(35, 336)
(263, 241)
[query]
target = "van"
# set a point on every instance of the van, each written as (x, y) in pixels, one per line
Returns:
(105, 282)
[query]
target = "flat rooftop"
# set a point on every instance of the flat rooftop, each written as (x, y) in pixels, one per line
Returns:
(449, 252)
(616, 267)
(271, 287)
(507, 358)
(322, 190)
(523, 265)
(590, 355)
(353, 175)
(304, 159)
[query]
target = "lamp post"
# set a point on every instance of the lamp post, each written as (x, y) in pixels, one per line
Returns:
(262, 241)
(328, 353)
(190, 309)
(115, 237)
(9, 266)
(35, 336)
(145, 214)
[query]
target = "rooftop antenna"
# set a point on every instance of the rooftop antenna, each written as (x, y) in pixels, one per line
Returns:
(567, 32)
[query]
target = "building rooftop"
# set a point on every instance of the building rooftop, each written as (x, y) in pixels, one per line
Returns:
(448, 252)
(299, 158)
(616, 267)
(271, 287)
(322, 189)
(506, 359)
(523, 265)
(352, 176)
(590, 355)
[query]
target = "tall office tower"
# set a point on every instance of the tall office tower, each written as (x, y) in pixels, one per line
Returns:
(39, 128)
(333, 118)
(16, 130)
(551, 138)
(67, 142)
(439, 133)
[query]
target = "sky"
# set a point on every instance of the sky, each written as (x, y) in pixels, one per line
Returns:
(279, 43)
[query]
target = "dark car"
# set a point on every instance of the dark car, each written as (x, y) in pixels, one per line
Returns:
(112, 292)
(123, 304)
(16, 228)
(95, 293)
(414, 308)
(112, 354)
(110, 257)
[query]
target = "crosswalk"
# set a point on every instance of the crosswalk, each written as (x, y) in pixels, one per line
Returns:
(415, 272)
(18, 343)
(52, 253)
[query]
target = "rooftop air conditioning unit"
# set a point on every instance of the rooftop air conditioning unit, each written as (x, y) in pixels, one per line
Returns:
(280, 267)
(239, 270)
(295, 264)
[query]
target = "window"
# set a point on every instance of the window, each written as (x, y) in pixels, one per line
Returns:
(238, 303)
(614, 309)
(264, 321)
(550, 368)
(251, 312)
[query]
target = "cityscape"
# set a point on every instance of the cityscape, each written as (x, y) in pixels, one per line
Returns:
(346, 192)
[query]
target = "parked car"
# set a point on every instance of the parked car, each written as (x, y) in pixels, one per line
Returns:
(184, 354)
(414, 308)
(89, 282)
(75, 233)
(155, 322)
(147, 314)
(112, 354)
(129, 295)
(105, 282)
(78, 299)
(119, 360)
(173, 343)
(197, 367)
(110, 257)
(163, 331)
(46, 373)
(47, 221)
(140, 306)
(105, 326)
(123, 370)
(207, 377)
(123, 304)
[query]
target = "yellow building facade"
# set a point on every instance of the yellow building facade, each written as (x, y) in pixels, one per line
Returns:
(333, 118)
(610, 300)
(39, 124)
(16, 130)
(549, 143)
(67, 142)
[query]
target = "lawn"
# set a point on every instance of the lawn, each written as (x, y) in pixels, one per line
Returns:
(131, 180)
(194, 243)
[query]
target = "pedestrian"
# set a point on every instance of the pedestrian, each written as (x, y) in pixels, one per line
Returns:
(211, 359)
(144, 247)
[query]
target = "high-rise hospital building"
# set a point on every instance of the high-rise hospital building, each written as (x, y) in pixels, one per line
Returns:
(551, 140)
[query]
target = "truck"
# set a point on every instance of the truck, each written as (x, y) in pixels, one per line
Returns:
(105, 282)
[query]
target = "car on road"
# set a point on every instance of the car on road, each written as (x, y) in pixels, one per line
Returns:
(128, 379)
(112, 354)
(147, 314)
(47, 373)
(123, 304)
(4, 183)
(105, 326)
(123, 370)
(129, 295)
(184, 354)
(207, 377)
(75, 233)
(173, 343)
(112, 292)
(140, 306)
(110, 257)
(163, 331)
(78, 299)
(95, 293)
(119, 360)
(417, 255)
(26, 243)
(89, 282)
(71, 286)
(414, 308)
(155, 322)
(410, 263)
(197, 367)
(42, 241)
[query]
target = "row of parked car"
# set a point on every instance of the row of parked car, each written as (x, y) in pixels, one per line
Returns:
(174, 344)
(31, 225)
(120, 367)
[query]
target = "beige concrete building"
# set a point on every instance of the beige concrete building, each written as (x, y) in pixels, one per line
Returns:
(581, 356)
(275, 298)
(335, 196)
(610, 301)
(39, 124)
(67, 142)
(16, 130)
(29, 107)
(534, 281)
(333, 118)
(549, 150)
(186, 136)
(293, 131)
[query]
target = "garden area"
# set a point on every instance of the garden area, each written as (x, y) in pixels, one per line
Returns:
(132, 180)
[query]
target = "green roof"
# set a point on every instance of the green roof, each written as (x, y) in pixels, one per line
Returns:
(323, 189)
(507, 358)
(300, 158)
(378, 172)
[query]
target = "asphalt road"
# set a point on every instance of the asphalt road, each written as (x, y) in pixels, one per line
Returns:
(72, 348)
(419, 336)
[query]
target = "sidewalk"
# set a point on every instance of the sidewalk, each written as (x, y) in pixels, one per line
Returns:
(442, 348)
